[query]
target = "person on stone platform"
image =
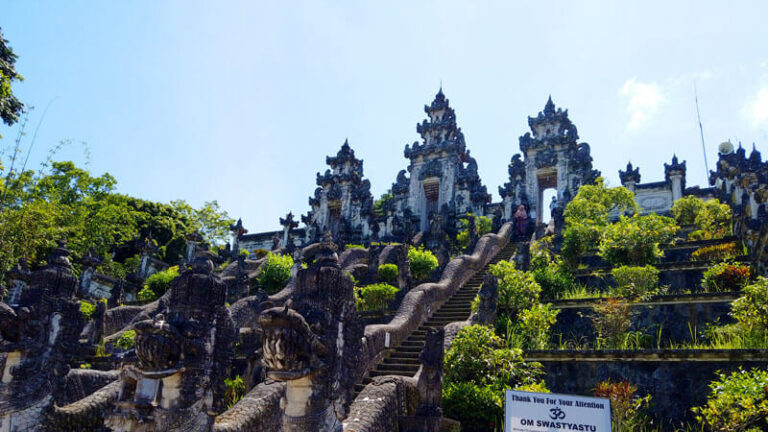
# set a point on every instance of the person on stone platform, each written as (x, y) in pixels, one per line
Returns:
(521, 220)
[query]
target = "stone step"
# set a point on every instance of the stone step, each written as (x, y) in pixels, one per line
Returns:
(404, 356)
(375, 373)
(402, 360)
(394, 367)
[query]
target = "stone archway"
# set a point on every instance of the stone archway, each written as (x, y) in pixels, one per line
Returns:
(546, 179)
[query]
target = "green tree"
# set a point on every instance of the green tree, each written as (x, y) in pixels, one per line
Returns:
(209, 220)
(378, 205)
(10, 106)
(588, 214)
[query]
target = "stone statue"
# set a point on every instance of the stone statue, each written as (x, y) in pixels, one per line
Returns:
(313, 343)
(38, 341)
(489, 295)
(183, 354)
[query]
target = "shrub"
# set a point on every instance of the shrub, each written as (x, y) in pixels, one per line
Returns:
(518, 290)
(686, 208)
(157, 284)
(726, 276)
(578, 239)
(244, 252)
(477, 356)
(555, 279)
(540, 256)
(720, 252)
(594, 203)
(635, 281)
(388, 273)
(375, 297)
(611, 319)
(736, 402)
(628, 410)
(536, 324)
(234, 391)
(275, 272)
(751, 309)
(588, 213)
(422, 262)
(483, 224)
(477, 370)
(87, 309)
(478, 408)
(126, 340)
(715, 220)
(260, 253)
(635, 240)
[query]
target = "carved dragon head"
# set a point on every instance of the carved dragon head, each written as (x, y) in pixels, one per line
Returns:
(317, 335)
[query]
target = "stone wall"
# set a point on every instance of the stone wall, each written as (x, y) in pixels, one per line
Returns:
(676, 379)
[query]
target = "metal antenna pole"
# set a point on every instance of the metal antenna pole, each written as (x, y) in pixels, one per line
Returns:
(701, 131)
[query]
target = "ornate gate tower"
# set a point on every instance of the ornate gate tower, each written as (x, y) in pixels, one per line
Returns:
(552, 158)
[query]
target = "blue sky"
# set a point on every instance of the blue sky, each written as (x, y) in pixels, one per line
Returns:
(241, 101)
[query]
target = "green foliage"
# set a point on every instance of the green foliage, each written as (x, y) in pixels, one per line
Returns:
(244, 252)
(275, 273)
(483, 224)
(35, 211)
(10, 106)
(737, 402)
(65, 201)
(260, 253)
(628, 410)
(477, 356)
(477, 370)
(234, 391)
(636, 282)
(718, 252)
(532, 328)
(611, 320)
(715, 221)
(87, 309)
(478, 408)
(157, 284)
(588, 213)
(751, 309)
(209, 220)
(379, 204)
(518, 290)
(354, 246)
(376, 297)
(635, 240)
(422, 262)
(126, 340)
(726, 276)
(686, 209)
(388, 273)
(555, 280)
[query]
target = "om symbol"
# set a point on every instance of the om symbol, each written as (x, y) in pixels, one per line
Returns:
(557, 414)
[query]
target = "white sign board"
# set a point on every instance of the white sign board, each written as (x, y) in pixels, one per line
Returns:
(549, 412)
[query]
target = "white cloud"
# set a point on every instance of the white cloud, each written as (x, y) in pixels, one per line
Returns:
(643, 102)
(756, 109)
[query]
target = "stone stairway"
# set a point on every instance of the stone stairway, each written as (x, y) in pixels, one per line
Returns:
(404, 359)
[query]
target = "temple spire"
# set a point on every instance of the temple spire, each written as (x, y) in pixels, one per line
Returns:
(549, 108)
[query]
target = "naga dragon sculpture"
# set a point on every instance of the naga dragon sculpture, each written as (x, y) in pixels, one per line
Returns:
(183, 358)
(314, 344)
(38, 339)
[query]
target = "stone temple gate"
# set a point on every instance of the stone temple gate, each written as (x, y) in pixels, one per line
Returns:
(552, 158)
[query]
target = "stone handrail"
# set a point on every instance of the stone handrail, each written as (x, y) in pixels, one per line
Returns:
(257, 410)
(419, 304)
